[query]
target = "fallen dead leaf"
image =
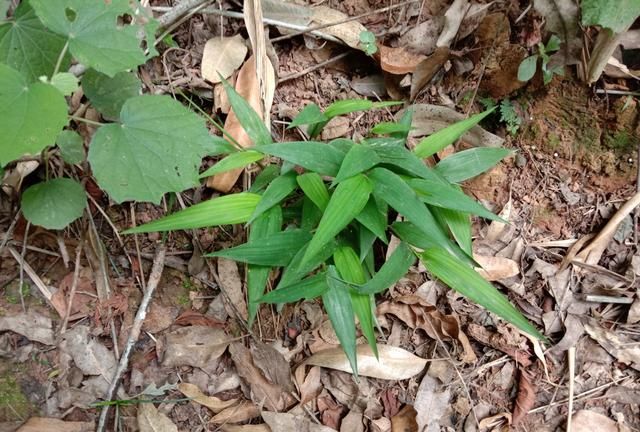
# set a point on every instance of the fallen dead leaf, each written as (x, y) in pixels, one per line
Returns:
(515, 349)
(497, 228)
(495, 421)
(432, 400)
(526, 397)
(427, 69)
(244, 411)
(452, 19)
(620, 346)
(264, 392)
(382, 424)
(422, 38)
(231, 284)
(151, 420)
(495, 268)
(472, 19)
(405, 420)
(222, 56)
(213, 403)
(286, 12)
(369, 86)
(245, 428)
(84, 298)
(352, 422)
(394, 363)
(417, 313)
(31, 325)
(46, 424)
(272, 364)
(89, 355)
(194, 346)
(309, 385)
(290, 422)
(562, 19)
(399, 61)
(586, 421)
(348, 32)
(337, 127)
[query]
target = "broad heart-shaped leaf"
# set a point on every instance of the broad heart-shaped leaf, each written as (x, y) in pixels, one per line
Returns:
(312, 155)
(439, 140)
(156, 149)
(458, 223)
(108, 94)
(360, 158)
(95, 37)
(233, 161)
(31, 116)
(225, 210)
(248, 118)
(467, 164)
(337, 303)
(54, 204)
(71, 147)
(273, 250)
(278, 190)
(345, 204)
(268, 223)
(389, 187)
(28, 47)
(391, 271)
(65, 82)
(351, 271)
(469, 283)
(313, 187)
(308, 289)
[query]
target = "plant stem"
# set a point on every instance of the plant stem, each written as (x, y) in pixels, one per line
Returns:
(87, 121)
(60, 57)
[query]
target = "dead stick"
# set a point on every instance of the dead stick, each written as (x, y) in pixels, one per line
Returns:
(134, 334)
(74, 286)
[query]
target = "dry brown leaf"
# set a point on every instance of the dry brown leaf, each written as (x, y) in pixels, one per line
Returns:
(213, 403)
(352, 422)
(526, 397)
(272, 364)
(245, 410)
(382, 424)
(348, 32)
(620, 346)
(422, 38)
(432, 400)
(32, 325)
(310, 386)
(426, 70)
(46, 424)
(288, 422)
(589, 421)
(405, 420)
(452, 19)
(394, 363)
(496, 228)
(417, 313)
(399, 61)
(516, 350)
(231, 284)
(222, 57)
(151, 420)
(286, 12)
(195, 346)
(271, 395)
(84, 298)
(495, 268)
(89, 355)
(495, 421)
(245, 428)
(369, 86)
(472, 19)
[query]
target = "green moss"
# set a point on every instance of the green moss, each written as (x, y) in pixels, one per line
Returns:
(14, 405)
(553, 141)
(618, 141)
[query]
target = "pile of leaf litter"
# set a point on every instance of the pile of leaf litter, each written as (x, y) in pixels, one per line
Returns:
(69, 299)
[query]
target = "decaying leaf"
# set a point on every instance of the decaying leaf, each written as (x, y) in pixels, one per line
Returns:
(31, 325)
(46, 424)
(369, 86)
(213, 403)
(222, 56)
(291, 422)
(266, 393)
(497, 228)
(452, 19)
(245, 410)
(432, 400)
(399, 61)
(588, 421)
(394, 363)
(309, 385)
(195, 346)
(405, 420)
(422, 38)
(286, 12)
(245, 428)
(516, 349)
(495, 268)
(232, 287)
(417, 313)
(427, 69)
(272, 364)
(89, 355)
(151, 420)
(526, 397)
(620, 346)
(348, 32)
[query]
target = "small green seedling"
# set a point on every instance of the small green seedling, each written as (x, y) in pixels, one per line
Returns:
(368, 43)
(527, 68)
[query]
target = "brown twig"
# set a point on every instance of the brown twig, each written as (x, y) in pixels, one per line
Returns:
(178, 11)
(7, 235)
(74, 286)
(134, 333)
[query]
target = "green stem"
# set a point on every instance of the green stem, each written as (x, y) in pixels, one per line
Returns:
(60, 57)
(87, 121)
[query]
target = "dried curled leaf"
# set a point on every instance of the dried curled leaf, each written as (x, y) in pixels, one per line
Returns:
(213, 403)
(222, 56)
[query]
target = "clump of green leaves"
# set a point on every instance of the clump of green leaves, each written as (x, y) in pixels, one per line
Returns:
(509, 114)
(528, 67)
(321, 224)
(368, 42)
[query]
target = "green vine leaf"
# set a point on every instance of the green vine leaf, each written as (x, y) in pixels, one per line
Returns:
(96, 37)
(157, 148)
(54, 204)
(71, 146)
(28, 47)
(108, 94)
(31, 116)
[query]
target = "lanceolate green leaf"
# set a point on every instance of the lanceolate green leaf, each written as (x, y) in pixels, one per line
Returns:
(313, 187)
(265, 177)
(374, 220)
(235, 160)
(439, 140)
(391, 271)
(337, 303)
(351, 271)
(273, 250)
(392, 151)
(311, 214)
(345, 204)
(308, 289)
(156, 149)
(54, 204)
(312, 155)
(297, 269)
(310, 115)
(469, 283)
(351, 105)
(31, 116)
(467, 164)
(459, 224)
(96, 38)
(249, 119)
(28, 47)
(225, 210)
(278, 190)
(360, 158)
